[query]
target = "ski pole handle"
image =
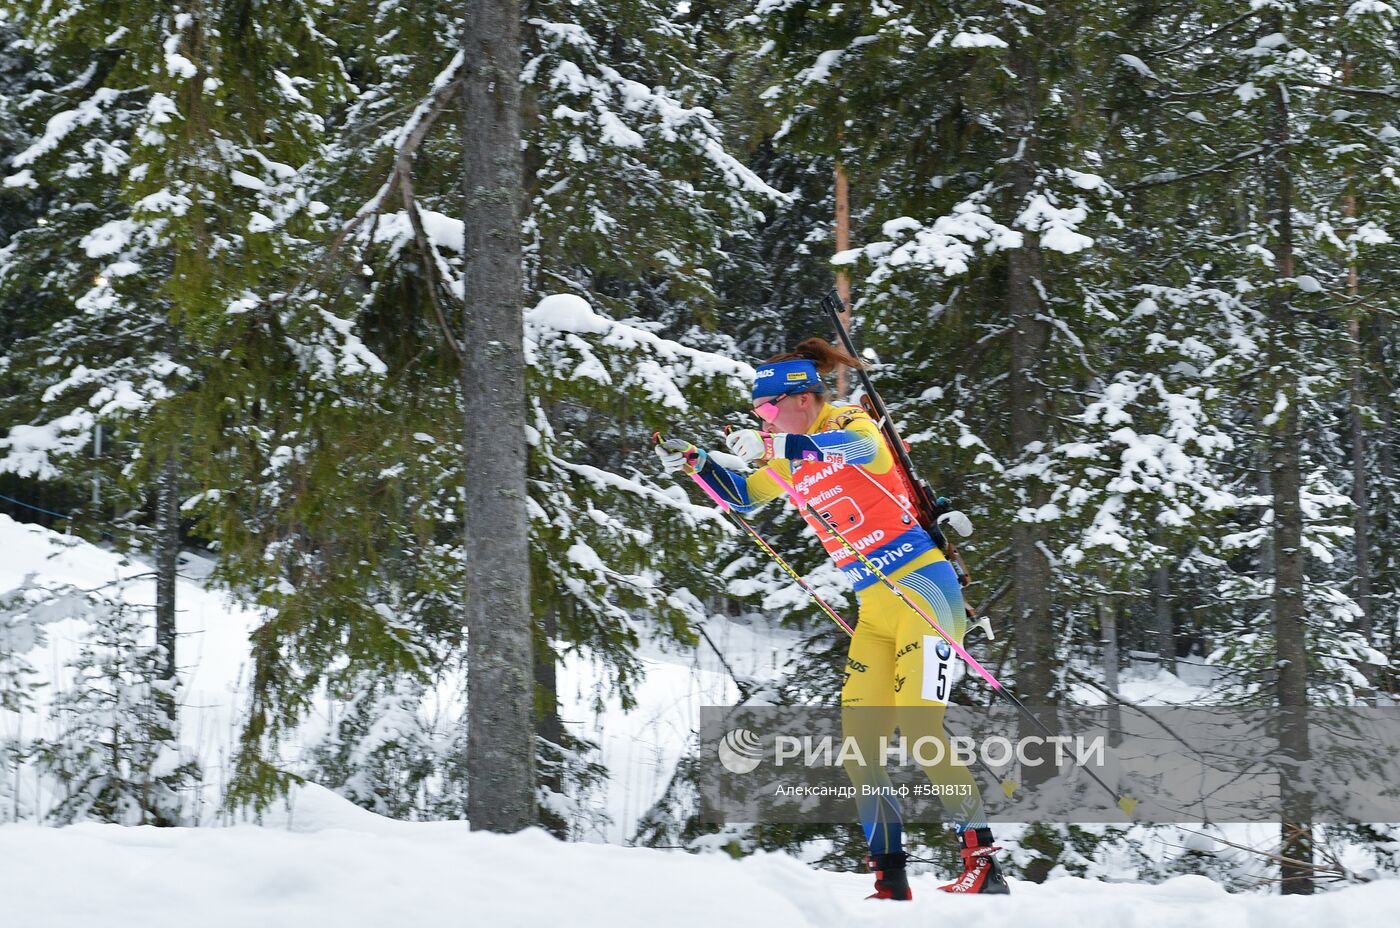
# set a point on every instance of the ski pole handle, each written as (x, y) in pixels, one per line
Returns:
(768, 469)
(709, 490)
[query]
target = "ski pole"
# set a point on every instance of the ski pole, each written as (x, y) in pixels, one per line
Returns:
(1123, 802)
(801, 503)
(778, 558)
(747, 529)
(1008, 786)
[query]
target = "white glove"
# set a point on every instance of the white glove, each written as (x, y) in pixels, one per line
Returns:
(677, 454)
(960, 522)
(753, 445)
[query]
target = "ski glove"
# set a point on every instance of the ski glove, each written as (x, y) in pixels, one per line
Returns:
(959, 521)
(677, 454)
(753, 445)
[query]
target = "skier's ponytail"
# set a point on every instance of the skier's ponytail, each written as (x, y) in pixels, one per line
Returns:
(826, 356)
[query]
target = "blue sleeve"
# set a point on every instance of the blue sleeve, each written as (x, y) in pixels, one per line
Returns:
(731, 487)
(846, 445)
(744, 493)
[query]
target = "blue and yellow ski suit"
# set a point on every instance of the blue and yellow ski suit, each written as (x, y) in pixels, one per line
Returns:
(896, 663)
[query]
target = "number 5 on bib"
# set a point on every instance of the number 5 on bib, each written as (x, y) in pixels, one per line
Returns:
(940, 670)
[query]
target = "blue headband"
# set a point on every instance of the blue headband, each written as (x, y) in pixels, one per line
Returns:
(783, 377)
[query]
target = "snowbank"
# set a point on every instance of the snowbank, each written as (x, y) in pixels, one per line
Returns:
(640, 747)
(212, 648)
(328, 862)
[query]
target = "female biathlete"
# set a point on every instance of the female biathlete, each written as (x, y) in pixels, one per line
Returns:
(899, 670)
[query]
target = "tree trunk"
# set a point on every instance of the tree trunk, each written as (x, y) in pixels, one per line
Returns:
(500, 681)
(1387, 391)
(1285, 470)
(1030, 414)
(1384, 517)
(167, 551)
(1029, 401)
(1108, 626)
(1162, 613)
(549, 726)
(843, 242)
(1360, 489)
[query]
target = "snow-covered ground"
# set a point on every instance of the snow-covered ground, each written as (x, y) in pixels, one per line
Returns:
(212, 646)
(640, 747)
(330, 863)
(323, 860)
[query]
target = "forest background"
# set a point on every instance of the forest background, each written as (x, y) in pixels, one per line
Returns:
(1125, 272)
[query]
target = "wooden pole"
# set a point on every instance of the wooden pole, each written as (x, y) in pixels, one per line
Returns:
(843, 277)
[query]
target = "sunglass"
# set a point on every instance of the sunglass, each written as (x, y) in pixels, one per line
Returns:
(768, 411)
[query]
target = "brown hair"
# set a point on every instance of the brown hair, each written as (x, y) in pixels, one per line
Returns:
(826, 356)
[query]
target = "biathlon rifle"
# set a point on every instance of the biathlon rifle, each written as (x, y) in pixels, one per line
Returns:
(929, 507)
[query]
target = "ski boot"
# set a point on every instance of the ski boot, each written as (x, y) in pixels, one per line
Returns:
(980, 871)
(891, 882)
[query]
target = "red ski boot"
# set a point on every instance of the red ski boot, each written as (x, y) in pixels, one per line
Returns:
(980, 871)
(891, 882)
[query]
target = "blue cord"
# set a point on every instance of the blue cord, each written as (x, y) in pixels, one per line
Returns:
(47, 512)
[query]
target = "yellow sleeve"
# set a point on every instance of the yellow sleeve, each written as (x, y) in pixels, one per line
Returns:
(744, 492)
(855, 419)
(762, 487)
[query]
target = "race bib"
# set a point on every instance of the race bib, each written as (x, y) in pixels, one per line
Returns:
(939, 669)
